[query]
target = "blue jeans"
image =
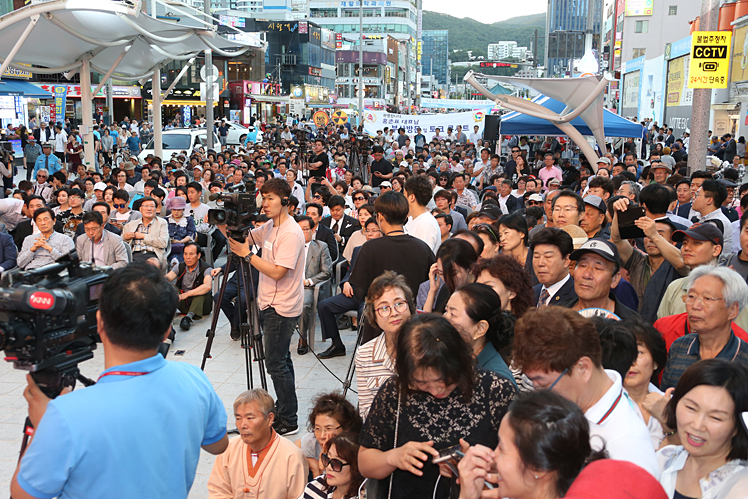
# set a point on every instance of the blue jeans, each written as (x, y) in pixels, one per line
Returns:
(277, 331)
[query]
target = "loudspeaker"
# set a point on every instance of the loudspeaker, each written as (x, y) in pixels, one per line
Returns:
(492, 128)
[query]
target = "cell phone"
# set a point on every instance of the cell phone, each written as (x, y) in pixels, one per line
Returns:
(626, 226)
(455, 453)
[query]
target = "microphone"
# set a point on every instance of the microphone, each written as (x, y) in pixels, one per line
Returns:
(214, 196)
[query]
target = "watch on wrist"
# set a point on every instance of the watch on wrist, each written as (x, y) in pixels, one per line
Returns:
(248, 258)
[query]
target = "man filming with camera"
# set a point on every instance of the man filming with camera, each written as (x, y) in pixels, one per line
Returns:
(280, 294)
(138, 431)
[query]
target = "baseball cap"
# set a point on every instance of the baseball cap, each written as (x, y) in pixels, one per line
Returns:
(701, 232)
(604, 160)
(601, 247)
(613, 479)
(100, 186)
(386, 183)
(727, 183)
(490, 211)
(596, 202)
(535, 197)
(404, 164)
(578, 235)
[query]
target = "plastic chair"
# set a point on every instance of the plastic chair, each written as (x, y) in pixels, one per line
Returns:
(128, 248)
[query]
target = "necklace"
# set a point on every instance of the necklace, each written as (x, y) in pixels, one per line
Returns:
(393, 231)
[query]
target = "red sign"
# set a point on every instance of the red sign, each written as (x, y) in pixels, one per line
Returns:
(315, 71)
(495, 64)
(41, 300)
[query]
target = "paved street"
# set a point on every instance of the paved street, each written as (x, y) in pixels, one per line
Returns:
(225, 370)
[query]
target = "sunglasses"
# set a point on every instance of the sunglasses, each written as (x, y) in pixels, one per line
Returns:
(359, 198)
(335, 464)
(119, 206)
(535, 203)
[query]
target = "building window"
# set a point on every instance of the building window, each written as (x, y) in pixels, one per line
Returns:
(641, 27)
(395, 12)
(638, 53)
(672, 10)
(323, 12)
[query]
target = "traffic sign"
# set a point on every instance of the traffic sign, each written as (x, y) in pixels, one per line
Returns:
(710, 59)
(339, 118)
(204, 73)
(320, 119)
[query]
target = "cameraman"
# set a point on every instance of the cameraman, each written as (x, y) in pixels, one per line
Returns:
(139, 430)
(320, 161)
(280, 294)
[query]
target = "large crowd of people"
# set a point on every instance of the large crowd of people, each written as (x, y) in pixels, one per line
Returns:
(530, 323)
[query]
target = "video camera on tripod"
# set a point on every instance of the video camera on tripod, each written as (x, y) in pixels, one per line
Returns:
(48, 321)
(239, 209)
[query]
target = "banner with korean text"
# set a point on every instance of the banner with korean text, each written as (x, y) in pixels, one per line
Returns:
(60, 92)
(428, 123)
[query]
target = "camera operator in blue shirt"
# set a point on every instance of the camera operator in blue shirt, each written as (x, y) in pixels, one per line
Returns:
(138, 431)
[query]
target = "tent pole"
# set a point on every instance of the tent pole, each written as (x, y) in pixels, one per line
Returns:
(156, 94)
(32, 22)
(87, 111)
(108, 74)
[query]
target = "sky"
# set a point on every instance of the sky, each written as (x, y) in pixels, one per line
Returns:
(476, 9)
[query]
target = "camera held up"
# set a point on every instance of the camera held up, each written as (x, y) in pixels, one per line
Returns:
(239, 209)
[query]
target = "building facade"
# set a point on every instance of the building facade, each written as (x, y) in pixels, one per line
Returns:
(568, 22)
(435, 57)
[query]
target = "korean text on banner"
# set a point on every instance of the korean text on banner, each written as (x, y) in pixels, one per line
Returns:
(710, 59)
(428, 123)
(61, 93)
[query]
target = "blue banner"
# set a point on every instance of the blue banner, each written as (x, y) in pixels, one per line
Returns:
(61, 93)
(186, 115)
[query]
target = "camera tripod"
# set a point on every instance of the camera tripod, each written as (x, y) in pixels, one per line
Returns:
(251, 336)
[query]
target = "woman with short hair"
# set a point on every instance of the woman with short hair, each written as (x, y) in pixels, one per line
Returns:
(437, 398)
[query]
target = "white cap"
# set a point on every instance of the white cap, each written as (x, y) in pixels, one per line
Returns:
(100, 186)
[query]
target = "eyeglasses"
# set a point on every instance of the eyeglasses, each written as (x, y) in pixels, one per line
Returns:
(359, 198)
(566, 209)
(690, 299)
(117, 206)
(327, 430)
(335, 464)
(41, 176)
(538, 387)
(535, 203)
(386, 310)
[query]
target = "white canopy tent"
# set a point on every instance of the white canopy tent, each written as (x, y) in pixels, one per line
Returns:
(583, 98)
(111, 37)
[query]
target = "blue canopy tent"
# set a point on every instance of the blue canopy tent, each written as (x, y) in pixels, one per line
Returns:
(515, 123)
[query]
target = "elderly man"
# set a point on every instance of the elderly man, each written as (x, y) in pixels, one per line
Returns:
(598, 271)
(42, 186)
(47, 246)
(593, 220)
(149, 235)
(630, 190)
(560, 350)
(318, 268)
(47, 160)
(100, 247)
(30, 153)
(259, 461)
(194, 283)
(716, 295)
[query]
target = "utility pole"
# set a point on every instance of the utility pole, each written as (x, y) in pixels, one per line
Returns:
(535, 54)
(702, 98)
(109, 102)
(361, 63)
(208, 84)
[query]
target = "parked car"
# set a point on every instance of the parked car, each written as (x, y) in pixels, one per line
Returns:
(177, 140)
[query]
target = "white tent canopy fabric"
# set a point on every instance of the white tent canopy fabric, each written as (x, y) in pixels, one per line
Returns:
(69, 30)
(582, 97)
(111, 37)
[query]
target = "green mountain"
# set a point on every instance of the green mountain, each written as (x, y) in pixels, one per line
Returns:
(468, 34)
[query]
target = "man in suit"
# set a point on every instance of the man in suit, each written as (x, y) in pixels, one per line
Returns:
(550, 249)
(100, 247)
(44, 133)
(27, 227)
(321, 232)
(318, 269)
(103, 209)
(8, 252)
(341, 225)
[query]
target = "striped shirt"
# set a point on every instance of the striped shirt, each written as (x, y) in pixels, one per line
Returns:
(374, 366)
(316, 489)
(684, 352)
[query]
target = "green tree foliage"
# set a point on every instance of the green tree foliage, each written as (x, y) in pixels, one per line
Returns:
(469, 34)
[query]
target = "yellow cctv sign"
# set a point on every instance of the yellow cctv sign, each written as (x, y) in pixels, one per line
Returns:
(710, 59)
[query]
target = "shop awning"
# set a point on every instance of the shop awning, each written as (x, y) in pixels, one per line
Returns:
(179, 102)
(17, 87)
(277, 99)
(726, 107)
